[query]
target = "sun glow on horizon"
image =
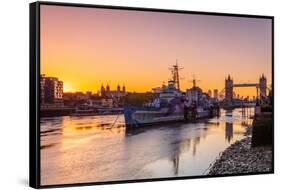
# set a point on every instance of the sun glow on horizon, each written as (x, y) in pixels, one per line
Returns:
(86, 48)
(67, 87)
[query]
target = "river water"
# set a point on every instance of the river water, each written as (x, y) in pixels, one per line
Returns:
(99, 148)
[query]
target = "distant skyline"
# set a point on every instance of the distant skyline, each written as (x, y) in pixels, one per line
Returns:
(87, 47)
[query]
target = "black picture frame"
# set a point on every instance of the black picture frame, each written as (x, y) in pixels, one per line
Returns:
(34, 83)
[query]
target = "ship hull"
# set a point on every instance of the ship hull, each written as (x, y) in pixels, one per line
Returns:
(138, 117)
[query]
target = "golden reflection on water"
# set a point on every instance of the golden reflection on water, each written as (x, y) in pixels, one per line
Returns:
(95, 148)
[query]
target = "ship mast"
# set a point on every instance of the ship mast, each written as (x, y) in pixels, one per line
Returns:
(194, 80)
(175, 73)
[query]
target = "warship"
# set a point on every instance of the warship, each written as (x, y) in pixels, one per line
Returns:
(171, 105)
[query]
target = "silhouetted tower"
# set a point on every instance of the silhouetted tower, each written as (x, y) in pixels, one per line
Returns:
(175, 73)
(228, 89)
(216, 94)
(210, 93)
(124, 88)
(107, 88)
(118, 88)
(263, 86)
(102, 90)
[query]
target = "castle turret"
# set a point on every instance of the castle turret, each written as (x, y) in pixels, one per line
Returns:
(107, 88)
(118, 88)
(102, 90)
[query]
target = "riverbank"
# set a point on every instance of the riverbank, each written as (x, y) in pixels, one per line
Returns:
(241, 158)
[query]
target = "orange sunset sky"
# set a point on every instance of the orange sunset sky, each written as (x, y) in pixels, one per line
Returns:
(85, 47)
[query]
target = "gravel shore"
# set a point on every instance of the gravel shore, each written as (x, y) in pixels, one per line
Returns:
(241, 158)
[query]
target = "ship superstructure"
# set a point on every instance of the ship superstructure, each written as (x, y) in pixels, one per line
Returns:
(171, 105)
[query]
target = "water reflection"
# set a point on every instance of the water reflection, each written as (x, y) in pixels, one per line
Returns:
(229, 126)
(100, 148)
(228, 131)
(176, 162)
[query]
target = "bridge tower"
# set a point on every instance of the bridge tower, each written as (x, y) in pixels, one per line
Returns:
(263, 86)
(229, 89)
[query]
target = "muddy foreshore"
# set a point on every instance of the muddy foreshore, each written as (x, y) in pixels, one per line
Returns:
(241, 158)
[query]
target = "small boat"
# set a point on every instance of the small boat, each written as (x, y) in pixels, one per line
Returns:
(110, 111)
(86, 111)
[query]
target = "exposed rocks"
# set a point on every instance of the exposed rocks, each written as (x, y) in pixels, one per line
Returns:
(241, 158)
